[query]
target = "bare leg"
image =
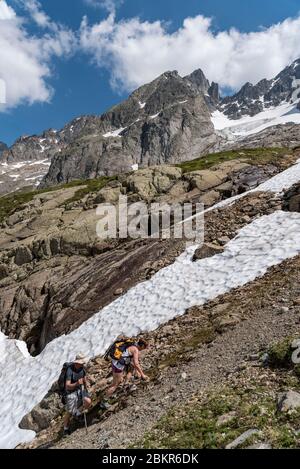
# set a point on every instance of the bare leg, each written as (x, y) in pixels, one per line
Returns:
(87, 402)
(117, 380)
(128, 377)
(67, 419)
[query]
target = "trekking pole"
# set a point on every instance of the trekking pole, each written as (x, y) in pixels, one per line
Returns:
(85, 422)
(84, 413)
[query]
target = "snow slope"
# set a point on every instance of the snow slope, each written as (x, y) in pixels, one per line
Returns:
(114, 133)
(266, 242)
(235, 129)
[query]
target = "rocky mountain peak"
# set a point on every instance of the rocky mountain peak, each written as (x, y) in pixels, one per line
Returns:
(214, 92)
(27, 161)
(202, 85)
(167, 120)
(199, 80)
(252, 99)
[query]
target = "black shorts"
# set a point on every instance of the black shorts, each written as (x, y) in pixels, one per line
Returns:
(129, 368)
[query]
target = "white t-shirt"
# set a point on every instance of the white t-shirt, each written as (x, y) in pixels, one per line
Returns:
(125, 360)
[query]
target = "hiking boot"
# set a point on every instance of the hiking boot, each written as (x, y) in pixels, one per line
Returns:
(104, 405)
(67, 432)
(132, 388)
(77, 415)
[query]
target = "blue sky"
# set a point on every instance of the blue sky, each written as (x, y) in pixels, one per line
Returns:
(84, 81)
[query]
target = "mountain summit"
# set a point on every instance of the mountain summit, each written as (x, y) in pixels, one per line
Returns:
(170, 120)
(166, 121)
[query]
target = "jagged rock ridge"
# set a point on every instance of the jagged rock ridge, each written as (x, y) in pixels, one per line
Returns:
(165, 121)
(252, 99)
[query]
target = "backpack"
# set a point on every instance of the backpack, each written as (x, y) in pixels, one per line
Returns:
(115, 351)
(61, 382)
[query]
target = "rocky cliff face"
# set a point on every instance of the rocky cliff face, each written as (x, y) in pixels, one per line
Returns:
(252, 99)
(166, 121)
(27, 161)
(201, 84)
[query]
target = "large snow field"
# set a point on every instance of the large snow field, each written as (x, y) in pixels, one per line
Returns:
(268, 241)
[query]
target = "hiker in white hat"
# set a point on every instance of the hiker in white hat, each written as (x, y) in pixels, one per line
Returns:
(77, 397)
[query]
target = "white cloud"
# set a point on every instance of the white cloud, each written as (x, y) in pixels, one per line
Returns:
(109, 5)
(6, 12)
(135, 51)
(36, 12)
(25, 60)
(2, 92)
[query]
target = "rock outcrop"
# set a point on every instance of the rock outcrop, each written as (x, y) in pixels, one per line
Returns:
(289, 401)
(292, 199)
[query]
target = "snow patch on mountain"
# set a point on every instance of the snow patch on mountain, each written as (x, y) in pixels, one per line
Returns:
(23, 172)
(235, 129)
(154, 116)
(6, 167)
(114, 133)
